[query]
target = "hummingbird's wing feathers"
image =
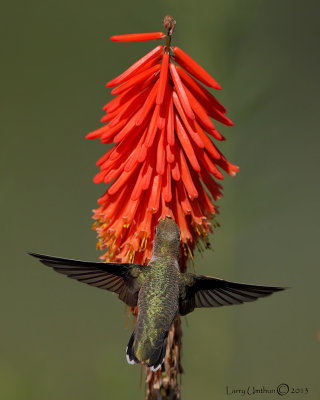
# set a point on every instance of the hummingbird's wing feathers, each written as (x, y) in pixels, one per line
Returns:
(124, 279)
(206, 291)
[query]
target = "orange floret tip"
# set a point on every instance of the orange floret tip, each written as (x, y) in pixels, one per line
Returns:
(138, 37)
(163, 160)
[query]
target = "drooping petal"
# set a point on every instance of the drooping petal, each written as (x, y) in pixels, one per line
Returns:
(181, 92)
(138, 37)
(181, 218)
(161, 154)
(170, 123)
(210, 147)
(154, 199)
(120, 181)
(153, 127)
(134, 159)
(186, 176)
(183, 199)
(153, 54)
(194, 68)
(130, 107)
(166, 191)
(97, 133)
(163, 78)
(136, 79)
(189, 125)
(186, 144)
(231, 169)
(164, 107)
(170, 153)
(148, 104)
(128, 93)
(213, 187)
(200, 92)
(200, 111)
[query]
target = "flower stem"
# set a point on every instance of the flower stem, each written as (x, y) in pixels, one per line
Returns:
(169, 24)
(168, 43)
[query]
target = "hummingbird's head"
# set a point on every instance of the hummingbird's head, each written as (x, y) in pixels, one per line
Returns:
(167, 238)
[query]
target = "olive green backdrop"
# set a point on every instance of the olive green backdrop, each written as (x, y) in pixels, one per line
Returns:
(63, 340)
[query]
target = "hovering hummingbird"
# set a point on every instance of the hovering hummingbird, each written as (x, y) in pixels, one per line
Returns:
(160, 291)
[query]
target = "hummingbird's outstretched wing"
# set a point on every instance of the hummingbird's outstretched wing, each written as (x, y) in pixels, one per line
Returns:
(124, 279)
(205, 291)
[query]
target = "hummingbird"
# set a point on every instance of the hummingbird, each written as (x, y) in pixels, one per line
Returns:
(159, 289)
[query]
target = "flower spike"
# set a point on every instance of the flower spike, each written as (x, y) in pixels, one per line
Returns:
(163, 162)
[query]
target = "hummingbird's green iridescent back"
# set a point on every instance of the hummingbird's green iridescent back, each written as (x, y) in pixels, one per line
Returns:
(158, 301)
(158, 307)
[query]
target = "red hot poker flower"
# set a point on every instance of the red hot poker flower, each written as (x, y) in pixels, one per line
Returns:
(163, 163)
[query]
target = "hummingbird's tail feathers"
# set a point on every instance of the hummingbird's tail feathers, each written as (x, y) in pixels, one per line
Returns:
(156, 359)
(131, 357)
(158, 356)
(154, 366)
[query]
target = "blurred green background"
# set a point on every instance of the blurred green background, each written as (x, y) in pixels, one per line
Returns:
(63, 340)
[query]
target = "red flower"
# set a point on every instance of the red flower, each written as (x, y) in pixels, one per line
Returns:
(162, 156)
